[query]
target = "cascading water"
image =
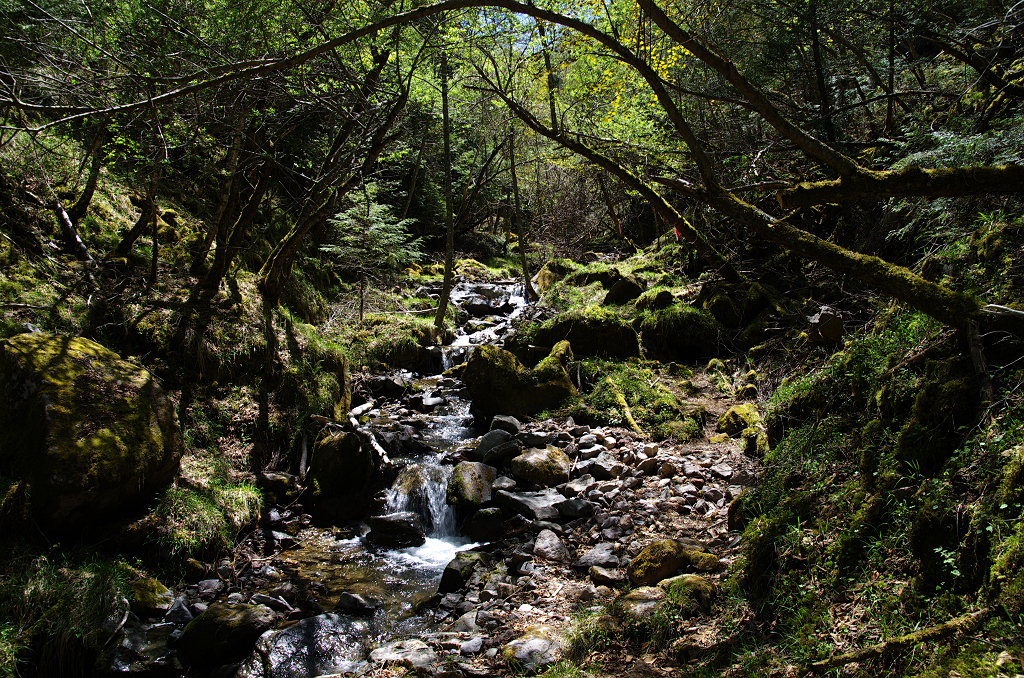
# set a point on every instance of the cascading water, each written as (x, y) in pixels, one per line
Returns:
(423, 488)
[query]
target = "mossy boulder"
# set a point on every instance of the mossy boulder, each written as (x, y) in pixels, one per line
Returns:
(89, 434)
(738, 418)
(470, 484)
(345, 471)
(592, 331)
(150, 598)
(548, 467)
(595, 273)
(625, 290)
(680, 333)
(639, 605)
(499, 384)
(459, 570)
(551, 272)
(537, 648)
(662, 559)
(690, 593)
(223, 633)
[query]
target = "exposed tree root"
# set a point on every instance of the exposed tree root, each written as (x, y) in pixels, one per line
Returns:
(620, 400)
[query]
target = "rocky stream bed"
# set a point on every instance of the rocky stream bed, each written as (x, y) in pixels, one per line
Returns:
(477, 554)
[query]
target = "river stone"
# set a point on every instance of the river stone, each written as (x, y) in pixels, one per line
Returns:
(320, 645)
(575, 508)
(459, 570)
(533, 505)
(150, 598)
(489, 440)
(606, 467)
(602, 555)
(345, 472)
(640, 603)
(470, 484)
(411, 653)
(609, 577)
(83, 433)
(486, 524)
(396, 530)
(535, 650)
(739, 417)
(497, 455)
(506, 423)
(579, 485)
(661, 559)
(547, 467)
(550, 547)
(355, 604)
(223, 632)
(499, 384)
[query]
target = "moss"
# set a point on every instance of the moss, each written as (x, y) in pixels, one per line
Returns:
(551, 272)
(680, 333)
(688, 594)
(592, 331)
(1008, 573)
(739, 418)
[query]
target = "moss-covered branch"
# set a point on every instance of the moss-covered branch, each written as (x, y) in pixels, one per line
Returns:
(906, 183)
(964, 624)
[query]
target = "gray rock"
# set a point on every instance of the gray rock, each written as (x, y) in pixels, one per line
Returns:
(411, 653)
(467, 623)
(550, 547)
(722, 471)
(534, 438)
(460, 569)
(668, 470)
(547, 467)
(396, 530)
(649, 466)
(491, 439)
(503, 483)
(575, 508)
(534, 505)
(591, 452)
(208, 588)
(178, 612)
(225, 631)
(825, 327)
(579, 486)
(606, 467)
(355, 604)
(474, 645)
(320, 645)
(507, 423)
(609, 577)
(602, 555)
(538, 648)
(486, 524)
(496, 455)
(470, 484)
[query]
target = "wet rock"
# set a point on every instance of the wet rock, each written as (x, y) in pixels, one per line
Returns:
(396, 530)
(316, 646)
(503, 483)
(346, 471)
(178, 613)
(547, 467)
(208, 588)
(150, 598)
(223, 632)
(486, 524)
(355, 604)
(459, 570)
(83, 433)
(411, 653)
(550, 547)
(602, 555)
(533, 505)
(145, 650)
(506, 423)
(539, 647)
(470, 484)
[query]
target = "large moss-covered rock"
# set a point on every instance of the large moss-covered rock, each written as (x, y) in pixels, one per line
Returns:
(345, 471)
(540, 646)
(86, 433)
(224, 632)
(499, 384)
(552, 272)
(592, 331)
(681, 333)
(738, 418)
(470, 484)
(548, 467)
(664, 558)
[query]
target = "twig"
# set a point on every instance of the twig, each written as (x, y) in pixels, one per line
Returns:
(963, 624)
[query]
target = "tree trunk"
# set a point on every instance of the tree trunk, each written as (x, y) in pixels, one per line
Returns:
(228, 249)
(415, 172)
(449, 224)
(225, 205)
(531, 294)
(78, 210)
(148, 213)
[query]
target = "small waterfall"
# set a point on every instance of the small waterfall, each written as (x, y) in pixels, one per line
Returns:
(423, 488)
